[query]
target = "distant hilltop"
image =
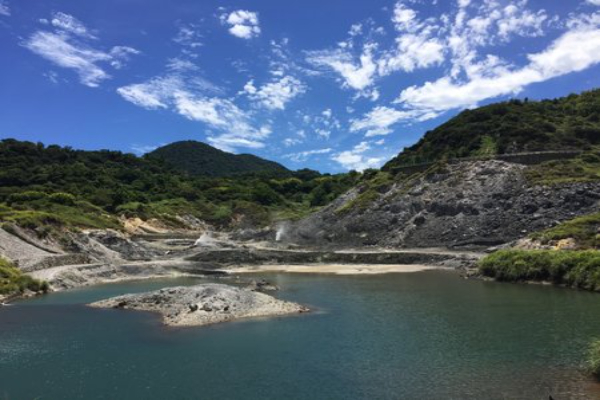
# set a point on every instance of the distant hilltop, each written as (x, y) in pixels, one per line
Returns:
(197, 158)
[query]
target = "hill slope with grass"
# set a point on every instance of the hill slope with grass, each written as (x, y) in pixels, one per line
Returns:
(198, 158)
(571, 122)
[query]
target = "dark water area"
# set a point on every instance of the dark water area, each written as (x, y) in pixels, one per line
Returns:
(427, 335)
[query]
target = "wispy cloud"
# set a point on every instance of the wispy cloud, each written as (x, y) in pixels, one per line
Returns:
(463, 42)
(70, 24)
(356, 159)
(323, 124)
(4, 8)
(575, 50)
(189, 39)
(379, 121)
(141, 149)
(195, 99)
(422, 43)
(84, 60)
(305, 155)
(69, 47)
(357, 74)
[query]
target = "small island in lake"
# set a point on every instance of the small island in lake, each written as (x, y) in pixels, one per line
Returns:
(203, 304)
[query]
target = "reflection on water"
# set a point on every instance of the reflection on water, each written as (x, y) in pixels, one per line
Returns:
(427, 335)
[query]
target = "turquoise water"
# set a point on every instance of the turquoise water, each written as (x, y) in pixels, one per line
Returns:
(426, 335)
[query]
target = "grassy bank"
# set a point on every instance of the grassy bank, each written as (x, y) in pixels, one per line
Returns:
(577, 269)
(13, 281)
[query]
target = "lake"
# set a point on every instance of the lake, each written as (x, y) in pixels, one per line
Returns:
(425, 335)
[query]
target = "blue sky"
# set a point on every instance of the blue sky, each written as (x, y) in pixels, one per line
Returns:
(330, 85)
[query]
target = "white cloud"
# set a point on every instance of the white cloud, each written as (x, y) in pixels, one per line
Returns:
(594, 2)
(68, 48)
(305, 155)
(276, 94)
(516, 20)
(249, 87)
(405, 18)
(4, 9)
(413, 51)
(242, 23)
(194, 99)
(355, 159)
(69, 23)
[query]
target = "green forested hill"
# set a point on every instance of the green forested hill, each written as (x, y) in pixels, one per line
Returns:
(52, 184)
(198, 158)
(571, 122)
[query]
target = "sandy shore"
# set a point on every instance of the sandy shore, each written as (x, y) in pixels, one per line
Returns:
(335, 269)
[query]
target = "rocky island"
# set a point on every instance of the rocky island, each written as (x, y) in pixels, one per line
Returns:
(203, 304)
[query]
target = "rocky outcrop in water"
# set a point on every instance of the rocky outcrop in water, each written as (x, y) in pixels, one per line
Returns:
(469, 204)
(203, 304)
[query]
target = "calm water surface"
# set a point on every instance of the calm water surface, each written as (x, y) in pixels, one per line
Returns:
(426, 335)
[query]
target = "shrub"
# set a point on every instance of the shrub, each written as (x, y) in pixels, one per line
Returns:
(13, 281)
(66, 199)
(24, 197)
(252, 214)
(594, 358)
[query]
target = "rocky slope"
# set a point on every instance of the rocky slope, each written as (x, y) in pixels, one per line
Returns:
(203, 304)
(472, 204)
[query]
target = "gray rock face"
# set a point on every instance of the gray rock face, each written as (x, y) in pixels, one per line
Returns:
(472, 204)
(203, 304)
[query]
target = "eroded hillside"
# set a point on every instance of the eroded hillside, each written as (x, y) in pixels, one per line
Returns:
(480, 203)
